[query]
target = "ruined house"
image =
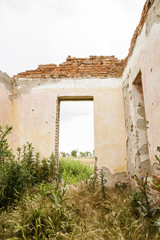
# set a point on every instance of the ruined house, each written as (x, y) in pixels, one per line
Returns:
(126, 96)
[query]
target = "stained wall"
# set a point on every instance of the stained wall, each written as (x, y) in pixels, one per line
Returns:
(142, 107)
(5, 99)
(35, 111)
(126, 123)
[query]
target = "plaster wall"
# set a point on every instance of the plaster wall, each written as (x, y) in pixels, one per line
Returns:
(35, 110)
(5, 100)
(145, 58)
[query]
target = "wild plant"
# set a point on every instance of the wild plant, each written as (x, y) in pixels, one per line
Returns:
(121, 186)
(158, 158)
(52, 165)
(5, 152)
(103, 182)
(141, 199)
(92, 182)
(75, 215)
(156, 180)
(21, 171)
(41, 215)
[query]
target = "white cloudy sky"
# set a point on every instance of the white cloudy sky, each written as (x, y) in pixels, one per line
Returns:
(76, 126)
(34, 32)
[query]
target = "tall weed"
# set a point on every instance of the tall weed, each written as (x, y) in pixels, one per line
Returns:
(21, 171)
(47, 213)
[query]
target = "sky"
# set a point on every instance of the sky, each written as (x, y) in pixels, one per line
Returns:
(34, 32)
(76, 126)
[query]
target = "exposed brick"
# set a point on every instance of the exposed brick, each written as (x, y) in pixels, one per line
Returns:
(94, 66)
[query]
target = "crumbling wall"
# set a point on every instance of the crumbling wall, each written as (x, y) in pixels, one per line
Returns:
(31, 101)
(142, 111)
(5, 99)
(94, 66)
(36, 107)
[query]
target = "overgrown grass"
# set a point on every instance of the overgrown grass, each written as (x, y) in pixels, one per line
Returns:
(74, 171)
(49, 213)
(37, 201)
(25, 169)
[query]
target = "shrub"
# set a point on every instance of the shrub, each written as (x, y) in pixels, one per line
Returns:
(20, 172)
(5, 152)
(17, 173)
(141, 198)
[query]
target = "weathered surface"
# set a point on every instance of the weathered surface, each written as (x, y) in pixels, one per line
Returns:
(116, 178)
(32, 99)
(37, 116)
(5, 99)
(93, 66)
(141, 84)
(139, 28)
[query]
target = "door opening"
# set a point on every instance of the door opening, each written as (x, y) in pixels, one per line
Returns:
(76, 129)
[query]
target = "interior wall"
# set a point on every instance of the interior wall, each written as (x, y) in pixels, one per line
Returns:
(35, 112)
(145, 58)
(5, 99)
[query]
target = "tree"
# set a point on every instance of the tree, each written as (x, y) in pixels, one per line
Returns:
(82, 154)
(63, 154)
(74, 153)
(87, 154)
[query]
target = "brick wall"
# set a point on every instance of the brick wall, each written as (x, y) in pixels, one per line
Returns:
(94, 66)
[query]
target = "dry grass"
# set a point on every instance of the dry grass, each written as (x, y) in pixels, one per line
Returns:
(110, 218)
(80, 214)
(88, 161)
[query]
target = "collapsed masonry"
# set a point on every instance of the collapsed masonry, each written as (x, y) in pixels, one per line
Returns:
(92, 67)
(126, 102)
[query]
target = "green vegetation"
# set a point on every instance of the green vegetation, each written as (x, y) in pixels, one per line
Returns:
(18, 173)
(141, 198)
(86, 154)
(37, 201)
(46, 212)
(158, 158)
(74, 171)
(74, 153)
(25, 169)
(157, 180)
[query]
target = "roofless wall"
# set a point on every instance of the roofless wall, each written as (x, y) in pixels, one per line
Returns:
(37, 95)
(32, 101)
(141, 85)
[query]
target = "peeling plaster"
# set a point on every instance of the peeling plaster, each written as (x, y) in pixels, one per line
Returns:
(153, 16)
(116, 178)
(32, 105)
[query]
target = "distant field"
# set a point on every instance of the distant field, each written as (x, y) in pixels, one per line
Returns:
(84, 160)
